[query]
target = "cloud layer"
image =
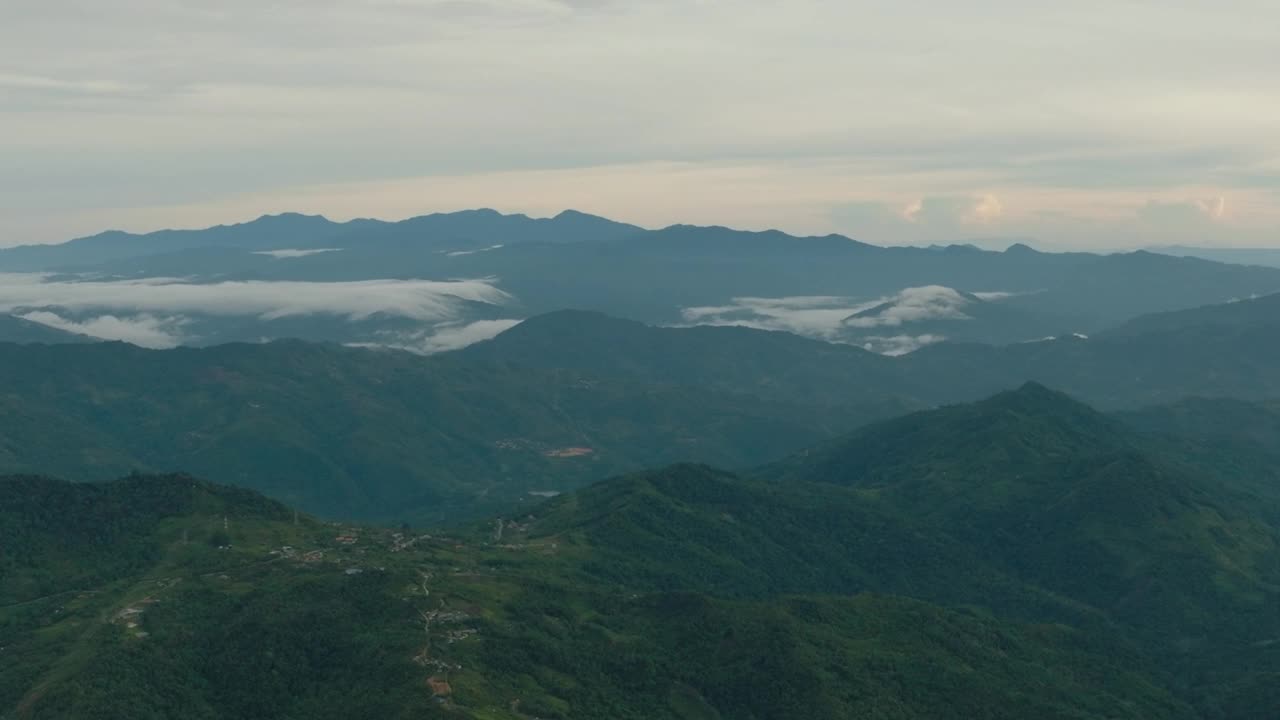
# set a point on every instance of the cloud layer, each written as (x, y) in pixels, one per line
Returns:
(897, 345)
(145, 330)
(847, 320)
(932, 302)
(166, 312)
(289, 253)
(423, 300)
(444, 337)
(812, 316)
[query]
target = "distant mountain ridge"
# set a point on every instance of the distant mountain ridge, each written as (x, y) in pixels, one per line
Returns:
(1269, 257)
(295, 230)
(767, 278)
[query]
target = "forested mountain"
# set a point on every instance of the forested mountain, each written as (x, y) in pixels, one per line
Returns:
(1024, 556)
(1228, 350)
(734, 359)
(1233, 438)
(1054, 492)
(374, 434)
(160, 597)
(1224, 350)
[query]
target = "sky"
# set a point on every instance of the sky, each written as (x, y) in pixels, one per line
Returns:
(1091, 124)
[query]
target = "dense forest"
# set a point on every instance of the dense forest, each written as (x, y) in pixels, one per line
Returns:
(1025, 556)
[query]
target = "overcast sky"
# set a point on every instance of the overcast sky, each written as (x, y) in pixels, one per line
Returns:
(1094, 123)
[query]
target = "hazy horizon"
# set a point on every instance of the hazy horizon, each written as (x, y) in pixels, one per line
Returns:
(995, 244)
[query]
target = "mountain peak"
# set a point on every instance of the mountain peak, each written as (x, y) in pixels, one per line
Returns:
(571, 214)
(575, 320)
(1034, 392)
(1057, 413)
(286, 218)
(1014, 430)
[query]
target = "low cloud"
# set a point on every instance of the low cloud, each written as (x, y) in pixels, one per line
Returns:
(148, 331)
(931, 302)
(455, 336)
(294, 253)
(445, 337)
(460, 253)
(425, 300)
(848, 320)
(897, 345)
(817, 316)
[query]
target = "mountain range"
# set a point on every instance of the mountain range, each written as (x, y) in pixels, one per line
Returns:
(1266, 257)
(396, 283)
(749, 476)
(555, 403)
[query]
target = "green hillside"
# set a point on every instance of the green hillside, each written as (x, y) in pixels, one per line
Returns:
(1235, 439)
(554, 404)
(773, 365)
(1024, 556)
(1064, 498)
(1227, 350)
(361, 434)
(282, 617)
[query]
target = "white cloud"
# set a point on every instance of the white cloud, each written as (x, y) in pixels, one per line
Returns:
(456, 337)
(897, 345)
(295, 253)
(987, 209)
(145, 330)
(812, 316)
(425, 300)
(460, 253)
(832, 318)
(444, 337)
(932, 302)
